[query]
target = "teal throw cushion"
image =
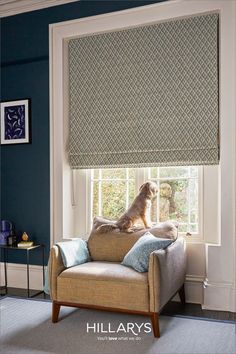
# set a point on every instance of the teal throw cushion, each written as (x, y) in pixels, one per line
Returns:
(74, 252)
(138, 256)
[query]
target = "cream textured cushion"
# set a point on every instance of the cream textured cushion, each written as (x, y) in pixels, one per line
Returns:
(114, 245)
(104, 284)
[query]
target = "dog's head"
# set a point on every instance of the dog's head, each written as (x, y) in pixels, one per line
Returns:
(149, 189)
(165, 190)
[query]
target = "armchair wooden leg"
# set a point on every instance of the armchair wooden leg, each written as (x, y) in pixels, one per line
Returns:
(155, 324)
(182, 295)
(55, 311)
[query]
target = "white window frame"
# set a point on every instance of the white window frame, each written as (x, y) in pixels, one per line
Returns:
(141, 176)
(207, 191)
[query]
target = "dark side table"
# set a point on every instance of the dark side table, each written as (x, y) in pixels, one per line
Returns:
(27, 250)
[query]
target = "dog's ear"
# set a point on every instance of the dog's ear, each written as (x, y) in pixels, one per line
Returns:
(141, 187)
(146, 188)
(149, 188)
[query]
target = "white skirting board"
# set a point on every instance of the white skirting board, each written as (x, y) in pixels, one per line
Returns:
(219, 296)
(193, 290)
(17, 276)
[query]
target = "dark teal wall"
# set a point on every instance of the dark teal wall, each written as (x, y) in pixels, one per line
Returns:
(25, 189)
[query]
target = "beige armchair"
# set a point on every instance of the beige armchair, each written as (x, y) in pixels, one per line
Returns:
(105, 284)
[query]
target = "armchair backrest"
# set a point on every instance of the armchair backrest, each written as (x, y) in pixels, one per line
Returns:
(112, 246)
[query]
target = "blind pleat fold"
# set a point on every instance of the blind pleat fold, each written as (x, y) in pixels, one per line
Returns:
(145, 96)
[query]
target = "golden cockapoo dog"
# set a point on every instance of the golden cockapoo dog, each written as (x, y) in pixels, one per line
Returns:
(139, 209)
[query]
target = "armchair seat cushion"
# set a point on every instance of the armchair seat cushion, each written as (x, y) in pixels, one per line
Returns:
(107, 284)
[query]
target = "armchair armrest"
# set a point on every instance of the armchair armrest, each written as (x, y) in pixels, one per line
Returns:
(59, 259)
(55, 267)
(166, 275)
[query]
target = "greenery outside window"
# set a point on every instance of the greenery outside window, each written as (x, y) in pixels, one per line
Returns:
(113, 190)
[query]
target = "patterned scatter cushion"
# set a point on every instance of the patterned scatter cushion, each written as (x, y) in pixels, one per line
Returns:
(138, 256)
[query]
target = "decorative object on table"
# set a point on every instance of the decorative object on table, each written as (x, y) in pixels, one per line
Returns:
(25, 237)
(6, 231)
(12, 240)
(25, 244)
(15, 122)
(25, 241)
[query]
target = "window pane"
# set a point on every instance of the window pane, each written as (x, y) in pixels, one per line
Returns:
(153, 171)
(183, 228)
(193, 171)
(193, 228)
(95, 199)
(131, 191)
(165, 200)
(173, 172)
(193, 193)
(132, 172)
(193, 216)
(174, 200)
(114, 173)
(113, 199)
(180, 200)
(154, 210)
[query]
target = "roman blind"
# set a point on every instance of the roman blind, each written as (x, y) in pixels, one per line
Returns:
(145, 96)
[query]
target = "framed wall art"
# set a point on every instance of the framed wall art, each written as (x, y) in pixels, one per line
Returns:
(15, 122)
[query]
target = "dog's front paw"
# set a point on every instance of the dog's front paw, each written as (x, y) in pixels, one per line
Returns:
(129, 231)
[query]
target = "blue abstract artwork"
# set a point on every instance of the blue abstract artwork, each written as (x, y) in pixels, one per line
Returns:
(15, 122)
(14, 117)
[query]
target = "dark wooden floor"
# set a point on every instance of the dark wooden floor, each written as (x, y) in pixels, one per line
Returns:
(22, 293)
(172, 308)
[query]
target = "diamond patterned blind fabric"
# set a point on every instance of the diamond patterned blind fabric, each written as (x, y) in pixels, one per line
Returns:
(145, 96)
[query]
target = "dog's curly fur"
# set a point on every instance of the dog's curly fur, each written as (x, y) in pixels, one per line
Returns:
(139, 209)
